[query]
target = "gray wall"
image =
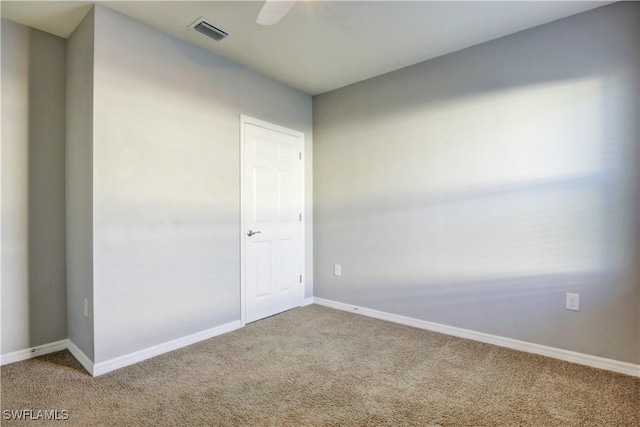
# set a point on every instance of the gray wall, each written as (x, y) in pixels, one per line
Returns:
(79, 188)
(166, 182)
(33, 211)
(475, 189)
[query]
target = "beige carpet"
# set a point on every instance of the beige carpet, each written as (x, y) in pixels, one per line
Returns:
(318, 366)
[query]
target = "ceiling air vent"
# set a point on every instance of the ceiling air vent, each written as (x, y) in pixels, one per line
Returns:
(202, 26)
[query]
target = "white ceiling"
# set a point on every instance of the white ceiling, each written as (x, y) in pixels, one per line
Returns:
(320, 45)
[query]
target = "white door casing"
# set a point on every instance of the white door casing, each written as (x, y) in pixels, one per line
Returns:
(272, 201)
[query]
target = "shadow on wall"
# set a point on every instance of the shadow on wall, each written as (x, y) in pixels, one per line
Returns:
(548, 191)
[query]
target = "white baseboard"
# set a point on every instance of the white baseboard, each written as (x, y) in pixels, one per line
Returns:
(28, 353)
(118, 362)
(556, 353)
(307, 301)
(84, 360)
(138, 356)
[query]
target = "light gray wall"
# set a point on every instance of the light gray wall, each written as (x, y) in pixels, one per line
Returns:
(47, 242)
(15, 187)
(475, 189)
(166, 182)
(33, 225)
(79, 184)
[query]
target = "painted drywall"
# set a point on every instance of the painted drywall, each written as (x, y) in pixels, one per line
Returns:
(15, 187)
(166, 182)
(476, 189)
(79, 184)
(47, 240)
(33, 212)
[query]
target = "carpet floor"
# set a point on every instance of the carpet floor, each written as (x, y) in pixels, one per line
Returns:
(316, 366)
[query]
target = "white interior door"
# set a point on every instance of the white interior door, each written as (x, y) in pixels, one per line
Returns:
(272, 229)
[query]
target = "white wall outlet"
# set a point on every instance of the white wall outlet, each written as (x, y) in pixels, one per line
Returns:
(573, 301)
(86, 308)
(337, 270)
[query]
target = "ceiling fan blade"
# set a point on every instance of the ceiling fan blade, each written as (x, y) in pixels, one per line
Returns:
(273, 11)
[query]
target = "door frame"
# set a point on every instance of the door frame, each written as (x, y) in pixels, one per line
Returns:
(244, 119)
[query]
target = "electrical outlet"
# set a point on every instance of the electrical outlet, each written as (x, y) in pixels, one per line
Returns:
(573, 302)
(337, 270)
(86, 308)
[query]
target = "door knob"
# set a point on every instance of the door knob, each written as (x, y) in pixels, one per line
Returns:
(251, 233)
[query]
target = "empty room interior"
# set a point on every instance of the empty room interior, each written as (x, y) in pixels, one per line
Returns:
(320, 213)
